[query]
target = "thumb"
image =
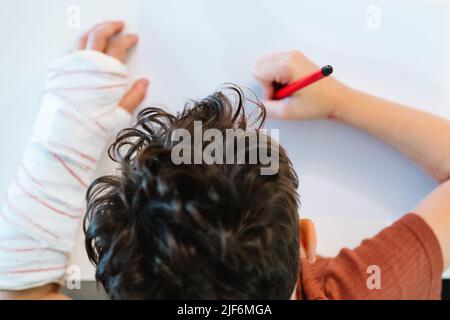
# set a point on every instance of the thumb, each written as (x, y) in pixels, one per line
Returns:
(135, 95)
(308, 239)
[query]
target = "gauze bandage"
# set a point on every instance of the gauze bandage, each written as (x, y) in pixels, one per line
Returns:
(45, 202)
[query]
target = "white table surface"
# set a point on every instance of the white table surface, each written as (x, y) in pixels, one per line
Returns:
(351, 184)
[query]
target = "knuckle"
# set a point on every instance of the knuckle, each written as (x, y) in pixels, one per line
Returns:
(291, 60)
(286, 64)
(295, 56)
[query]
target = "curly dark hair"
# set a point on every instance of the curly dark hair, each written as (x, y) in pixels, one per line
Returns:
(158, 230)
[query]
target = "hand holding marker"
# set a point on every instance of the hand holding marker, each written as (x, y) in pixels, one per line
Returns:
(286, 91)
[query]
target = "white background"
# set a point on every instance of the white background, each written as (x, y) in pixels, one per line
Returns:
(351, 184)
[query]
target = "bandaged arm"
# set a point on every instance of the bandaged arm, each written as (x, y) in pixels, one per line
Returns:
(45, 201)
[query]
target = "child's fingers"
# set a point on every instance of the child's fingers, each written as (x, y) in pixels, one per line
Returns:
(119, 46)
(135, 95)
(99, 37)
(81, 44)
(274, 68)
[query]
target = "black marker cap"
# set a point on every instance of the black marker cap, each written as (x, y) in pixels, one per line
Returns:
(327, 70)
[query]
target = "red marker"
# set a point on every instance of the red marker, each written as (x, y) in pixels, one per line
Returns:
(293, 87)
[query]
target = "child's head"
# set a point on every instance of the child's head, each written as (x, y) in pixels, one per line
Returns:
(163, 230)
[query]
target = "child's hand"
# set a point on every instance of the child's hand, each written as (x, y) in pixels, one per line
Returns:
(319, 100)
(107, 38)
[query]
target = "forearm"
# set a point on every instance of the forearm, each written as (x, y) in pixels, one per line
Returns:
(45, 202)
(423, 137)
